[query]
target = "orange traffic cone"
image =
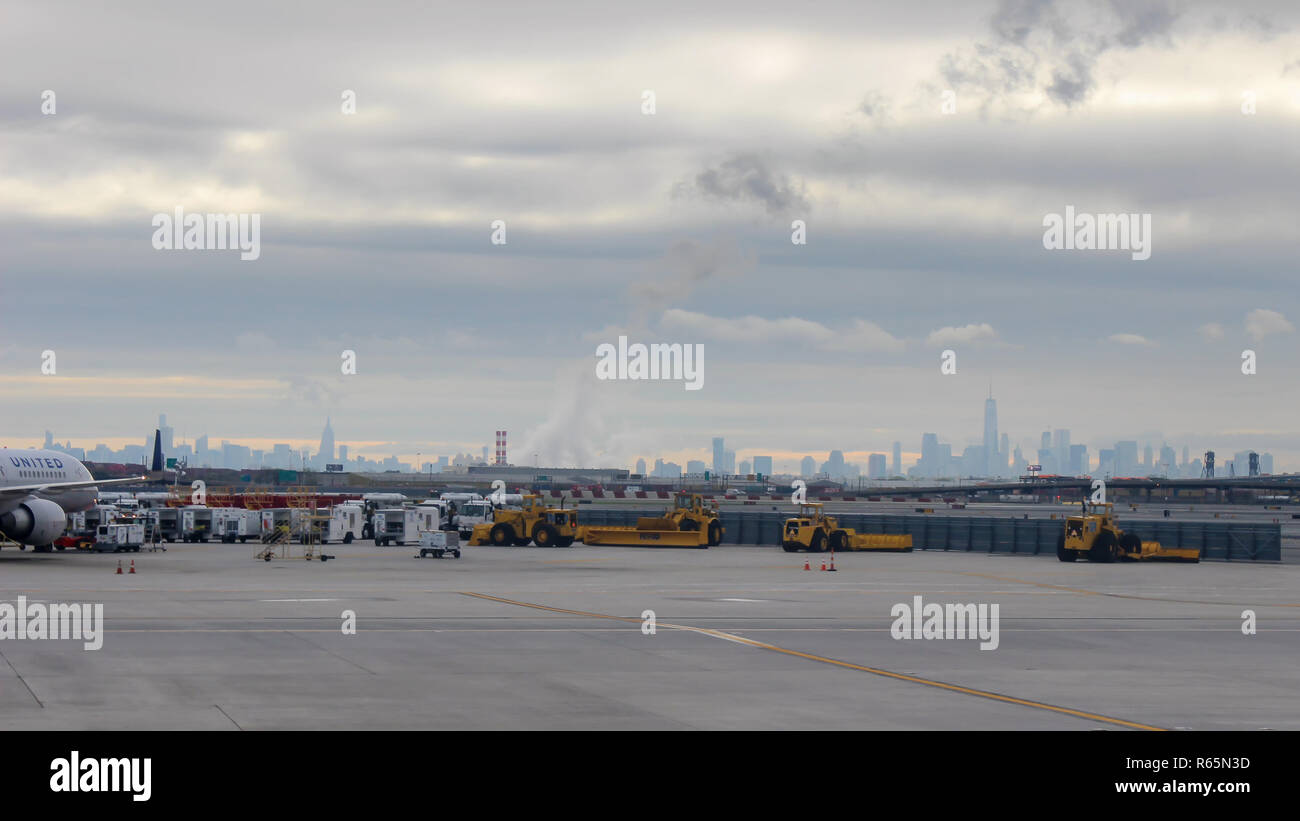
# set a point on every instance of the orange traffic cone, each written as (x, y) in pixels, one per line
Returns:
(132, 567)
(119, 567)
(823, 564)
(805, 566)
(832, 567)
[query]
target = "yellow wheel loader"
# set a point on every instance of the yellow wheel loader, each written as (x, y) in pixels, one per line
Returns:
(534, 522)
(1096, 534)
(814, 531)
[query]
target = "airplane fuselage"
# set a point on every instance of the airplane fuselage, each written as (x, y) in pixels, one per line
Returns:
(31, 467)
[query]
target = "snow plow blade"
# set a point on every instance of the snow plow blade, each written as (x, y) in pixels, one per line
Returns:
(880, 541)
(638, 537)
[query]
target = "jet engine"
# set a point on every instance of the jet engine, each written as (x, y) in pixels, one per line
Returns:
(34, 521)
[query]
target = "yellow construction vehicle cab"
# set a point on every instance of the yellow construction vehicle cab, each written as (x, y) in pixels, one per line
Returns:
(534, 522)
(1096, 534)
(814, 531)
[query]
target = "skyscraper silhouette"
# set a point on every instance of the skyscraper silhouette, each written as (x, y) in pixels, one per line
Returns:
(991, 435)
(326, 452)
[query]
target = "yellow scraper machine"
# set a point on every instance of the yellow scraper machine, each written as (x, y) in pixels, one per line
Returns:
(691, 522)
(1095, 534)
(814, 531)
(534, 522)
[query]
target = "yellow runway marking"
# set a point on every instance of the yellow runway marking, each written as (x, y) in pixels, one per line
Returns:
(838, 663)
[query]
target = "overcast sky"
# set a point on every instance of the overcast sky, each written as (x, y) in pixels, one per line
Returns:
(924, 229)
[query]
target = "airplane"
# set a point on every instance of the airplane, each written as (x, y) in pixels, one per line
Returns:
(38, 488)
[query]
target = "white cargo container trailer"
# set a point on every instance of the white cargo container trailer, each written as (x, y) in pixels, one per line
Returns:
(196, 523)
(236, 524)
(275, 518)
(166, 520)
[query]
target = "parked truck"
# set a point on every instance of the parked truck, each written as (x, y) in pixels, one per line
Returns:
(399, 525)
(345, 524)
(119, 537)
(471, 514)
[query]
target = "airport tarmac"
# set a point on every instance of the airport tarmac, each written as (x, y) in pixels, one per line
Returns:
(206, 637)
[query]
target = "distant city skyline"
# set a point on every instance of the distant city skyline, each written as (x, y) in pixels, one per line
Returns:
(935, 458)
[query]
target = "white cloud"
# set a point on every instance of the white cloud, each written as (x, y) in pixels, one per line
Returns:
(1211, 331)
(966, 334)
(1261, 322)
(863, 335)
(1129, 339)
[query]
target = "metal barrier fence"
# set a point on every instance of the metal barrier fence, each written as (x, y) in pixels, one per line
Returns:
(1224, 541)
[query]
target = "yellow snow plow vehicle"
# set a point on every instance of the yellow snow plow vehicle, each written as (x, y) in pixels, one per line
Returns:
(534, 522)
(814, 531)
(1094, 533)
(691, 522)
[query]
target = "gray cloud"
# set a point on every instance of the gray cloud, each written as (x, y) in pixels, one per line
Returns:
(1040, 43)
(746, 177)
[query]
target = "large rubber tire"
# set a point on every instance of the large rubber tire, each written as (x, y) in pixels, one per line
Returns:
(839, 541)
(1061, 553)
(564, 541)
(501, 535)
(790, 547)
(545, 535)
(1103, 548)
(347, 538)
(1131, 543)
(818, 543)
(689, 524)
(715, 533)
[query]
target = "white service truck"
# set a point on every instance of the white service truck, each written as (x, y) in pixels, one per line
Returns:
(405, 524)
(470, 513)
(344, 525)
(119, 537)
